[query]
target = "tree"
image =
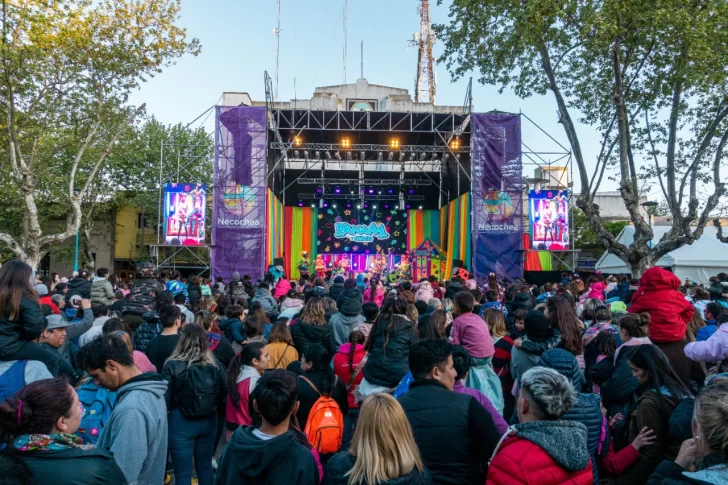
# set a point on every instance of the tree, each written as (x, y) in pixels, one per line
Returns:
(67, 71)
(584, 236)
(649, 75)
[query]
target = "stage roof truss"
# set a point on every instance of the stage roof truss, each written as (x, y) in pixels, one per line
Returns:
(366, 181)
(368, 197)
(366, 147)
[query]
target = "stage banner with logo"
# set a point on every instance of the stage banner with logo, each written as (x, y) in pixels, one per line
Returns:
(239, 209)
(497, 202)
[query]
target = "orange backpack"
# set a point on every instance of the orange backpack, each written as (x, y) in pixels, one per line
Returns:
(325, 423)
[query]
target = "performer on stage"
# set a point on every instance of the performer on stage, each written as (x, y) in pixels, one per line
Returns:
(405, 267)
(304, 264)
(344, 265)
(320, 267)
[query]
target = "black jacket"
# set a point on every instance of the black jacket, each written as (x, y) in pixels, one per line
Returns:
(616, 383)
(175, 373)
(350, 302)
(194, 293)
(307, 396)
(249, 460)
(387, 366)
(336, 290)
(455, 434)
(340, 464)
(670, 473)
(73, 466)
(80, 287)
(451, 290)
(28, 325)
(307, 333)
(521, 301)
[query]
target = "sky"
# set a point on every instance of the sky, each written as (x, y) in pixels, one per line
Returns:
(238, 46)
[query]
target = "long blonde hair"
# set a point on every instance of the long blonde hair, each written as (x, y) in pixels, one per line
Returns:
(711, 416)
(193, 347)
(383, 443)
(496, 322)
(313, 312)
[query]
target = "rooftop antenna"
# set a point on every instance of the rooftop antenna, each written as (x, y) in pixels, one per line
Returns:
(345, 37)
(424, 40)
(362, 59)
(277, 33)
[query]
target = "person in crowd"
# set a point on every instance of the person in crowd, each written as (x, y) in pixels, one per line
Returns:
(151, 325)
(292, 305)
(602, 324)
(218, 344)
(613, 375)
(61, 288)
(461, 363)
(55, 340)
(503, 346)
(370, 312)
(588, 310)
(269, 304)
(136, 431)
(101, 315)
(242, 377)
(318, 380)
(492, 300)
(254, 329)
(388, 345)
(457, 284)
(205, 288)
(120, 329)
(312, 328)
(455, 434)
(37, 425)
(283, 286)
(337, 288)
(428, 328)
(195, 390)
(375, 292)
(80, 285)
(522, 300)
(330, 308)
(702, 459)
(80, 316)
(406, 293)
(175, 284)
(101, 289)
(349, 316)
(15, 374)
(719, 289)
(604, 347)
(542, 448)
(233, 328)
(383, 450)
(710, 314)
(425, 292)
(269, 453)
(660, 390)
(187, 315)
(45, 298)
(236, 289)
(518, 329)
(194, 292)
(537, 328)
(163, 345)
(21, 317)
(142, 297)
(421, 308)
(280, 347)
(715, 348)
(348, 364)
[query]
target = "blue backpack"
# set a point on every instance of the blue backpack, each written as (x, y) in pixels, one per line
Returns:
(12, 380)
(98, 403)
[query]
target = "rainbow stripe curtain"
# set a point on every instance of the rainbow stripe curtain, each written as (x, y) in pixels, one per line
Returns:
(538, 261)
(421, 225)
(301, 234)
(274, 239)
(457, 213)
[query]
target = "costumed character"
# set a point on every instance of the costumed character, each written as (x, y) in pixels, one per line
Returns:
(344, 265)
(405, 268)
(320, 266)
(304, 264)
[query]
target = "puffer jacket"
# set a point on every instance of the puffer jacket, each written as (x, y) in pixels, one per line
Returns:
(522, 301)
(378, 298)
(387, 366)
(454, 288)
(282, 287)
(101, 291)
(292, 303)
(614, 377)
(543, 453)
(80, 287)
(305, 334)
(142, 297)
(709, 471)
(336, 289)
(194, 293)
(425, 292)
(340, 464)
(233, 330)
(669, 311)
(147, 331)
(350, 302)
(236, 291)
(26, 326)
(269, 304)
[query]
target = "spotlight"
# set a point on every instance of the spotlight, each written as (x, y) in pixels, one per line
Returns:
(380, 192)
(390, 191)
(366, 206)
(295, 154)
(348, 156)
(386, 206)
(337, 155)
(445, 156)
(327, 154)
(333, 205)
(351, 191)
(313, 205)
(409, 206)
(305, 154)
(374, 207)
(371, 191)
(380, 156)
(318, 155)
(358, 206)
(401, 157)
(300, 203)
(321, 203)
(348, 206)
(390, 157)
(354, 265)
(318, 190)
(420, 207)
(423, 155)
(297, 141)
(394, 143)
(345, 143)
(455, 144)
(411, 191)
(413, 156)
(337, 190)
(362, 156)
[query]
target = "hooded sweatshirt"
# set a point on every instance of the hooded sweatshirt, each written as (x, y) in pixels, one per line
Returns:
(249, 459)
(715, 349)
(470, 331)
(246, 381)
(136, 432)
(343, 325)
(282, 287)
(266, 300)
(93, 332)
(543, 452)
(425, 292)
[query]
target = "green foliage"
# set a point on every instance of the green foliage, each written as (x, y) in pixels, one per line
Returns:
(585, 238)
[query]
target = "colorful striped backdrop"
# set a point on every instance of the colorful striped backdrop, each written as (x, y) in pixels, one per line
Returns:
(300, 229)
(458, 232)
(274, 237)
(421, 225)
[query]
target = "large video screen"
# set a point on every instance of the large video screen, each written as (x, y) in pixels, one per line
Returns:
(361, 228)
(549, 219)
(184, 214)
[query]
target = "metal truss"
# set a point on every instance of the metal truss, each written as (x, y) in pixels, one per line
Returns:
(372, 182)
(169, 256)
(366, 147)
(307, 196)
(295, 119)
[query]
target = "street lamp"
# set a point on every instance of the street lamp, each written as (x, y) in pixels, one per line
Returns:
(650, 207)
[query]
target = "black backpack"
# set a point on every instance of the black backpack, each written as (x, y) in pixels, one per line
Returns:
(199, 397)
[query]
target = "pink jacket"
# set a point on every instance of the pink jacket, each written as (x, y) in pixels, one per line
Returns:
(715, 349)
(378, 298)
(471, 331)
(596, 291)
(425, 292)
(282, 287)
(291, 303)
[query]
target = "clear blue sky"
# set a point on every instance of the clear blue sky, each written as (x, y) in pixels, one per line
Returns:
(238, 45)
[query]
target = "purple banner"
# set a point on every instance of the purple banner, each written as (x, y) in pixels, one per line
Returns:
(238, 211)
(497, 195)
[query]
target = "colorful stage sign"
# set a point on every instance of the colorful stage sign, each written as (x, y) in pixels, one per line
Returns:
(184, 214)
(352, 227)
(549, 219)
(496, 195)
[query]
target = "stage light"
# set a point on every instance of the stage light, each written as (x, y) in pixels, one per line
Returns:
(374, 207)
(455, 144)
(337, 155)
(297, 141)
(305, 154)
(411, 191)
(326, 204)
(390, 156)
(337, 190)
(371, 191)
(380, 192)
(362, 156)
(423, 155)
(358, 206)
(380, 156)
(321, 203)
(420, 207)
(401, 157)
(300, 203)
(413, 156)
(386, 206)
(351, 191)
(318, 155)
(327, 154)
(345, 143)
(390, 191)
(348, 206)
(296, 154)
(313, 205)
(348, 156)
(354, 265)
(394, 143)
(445, 156)
(333, 205)
(318, 190)
(409, 206)
(366, 206)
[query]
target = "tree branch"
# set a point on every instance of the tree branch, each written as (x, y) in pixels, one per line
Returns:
(654, 155)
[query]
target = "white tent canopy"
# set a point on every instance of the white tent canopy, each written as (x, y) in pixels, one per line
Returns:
(699, 261)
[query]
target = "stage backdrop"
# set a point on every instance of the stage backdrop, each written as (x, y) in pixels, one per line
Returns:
(497, 195)
(239, 208)
(276, 229)
(301, 226)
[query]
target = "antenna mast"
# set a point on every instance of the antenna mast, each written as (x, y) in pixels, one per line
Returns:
(277, 32)
(425, 83)
(345, 37)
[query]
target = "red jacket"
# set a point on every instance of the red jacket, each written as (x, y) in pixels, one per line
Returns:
(669, 311)
(46, 300)
(342, 369)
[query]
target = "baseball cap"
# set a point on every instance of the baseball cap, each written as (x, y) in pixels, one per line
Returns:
(64, 280)
(56, 321)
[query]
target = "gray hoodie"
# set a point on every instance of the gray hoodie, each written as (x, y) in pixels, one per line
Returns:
(343, 326)
(136, 432)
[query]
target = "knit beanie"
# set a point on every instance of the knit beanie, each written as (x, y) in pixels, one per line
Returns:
(41, 289)
(537, 326)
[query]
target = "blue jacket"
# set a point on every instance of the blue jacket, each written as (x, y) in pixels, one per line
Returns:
(233, 330)
(707, 331)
